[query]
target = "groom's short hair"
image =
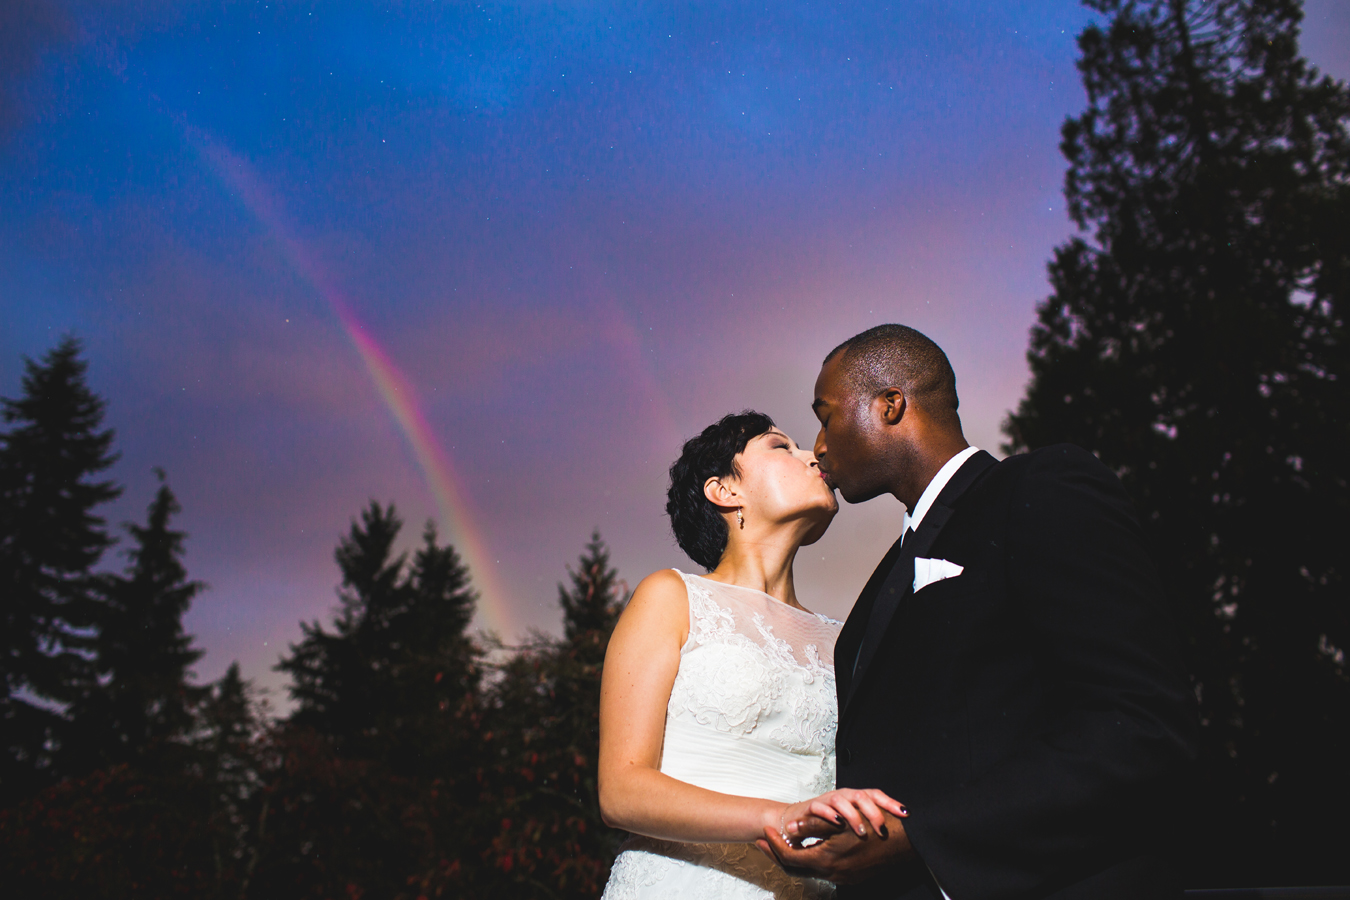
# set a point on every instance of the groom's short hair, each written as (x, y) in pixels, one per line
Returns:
(898, 356)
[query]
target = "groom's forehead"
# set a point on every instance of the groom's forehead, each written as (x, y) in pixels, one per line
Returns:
(826, 376)
(832, 384)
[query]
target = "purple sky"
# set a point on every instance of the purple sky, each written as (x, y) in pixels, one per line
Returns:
(583, 231)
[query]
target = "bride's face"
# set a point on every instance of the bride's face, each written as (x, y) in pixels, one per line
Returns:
(781, 482)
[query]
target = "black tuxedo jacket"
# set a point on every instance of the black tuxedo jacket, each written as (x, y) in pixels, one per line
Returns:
(1032, 712)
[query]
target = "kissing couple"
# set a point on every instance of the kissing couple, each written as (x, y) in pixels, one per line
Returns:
(1004, 714)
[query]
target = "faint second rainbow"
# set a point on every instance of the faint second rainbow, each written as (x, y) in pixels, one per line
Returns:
(452, 503)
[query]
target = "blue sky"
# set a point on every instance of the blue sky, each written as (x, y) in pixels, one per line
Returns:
(581, 230)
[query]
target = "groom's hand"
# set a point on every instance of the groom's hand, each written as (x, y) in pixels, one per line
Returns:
(812, 826)
(844, 857)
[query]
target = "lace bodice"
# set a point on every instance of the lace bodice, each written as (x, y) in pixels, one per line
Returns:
(752, 712)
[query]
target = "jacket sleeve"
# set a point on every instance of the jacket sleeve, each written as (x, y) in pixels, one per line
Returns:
(1082, 793)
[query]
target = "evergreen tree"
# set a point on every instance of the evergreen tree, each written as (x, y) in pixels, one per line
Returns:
(1195, 340)
(230, 722)
(550, 840)
(376, 765)
(591, 607)
(230, 765)
(50, 539)
(142, 705)
(435, 674)
(391, 681)
(592, 604)
(334, 675)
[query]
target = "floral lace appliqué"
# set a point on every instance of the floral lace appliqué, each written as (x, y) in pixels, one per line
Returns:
(738, 680)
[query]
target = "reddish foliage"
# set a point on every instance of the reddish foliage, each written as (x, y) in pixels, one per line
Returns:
(113, 833)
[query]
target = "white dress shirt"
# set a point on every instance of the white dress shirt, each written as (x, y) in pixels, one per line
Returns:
(930, 493)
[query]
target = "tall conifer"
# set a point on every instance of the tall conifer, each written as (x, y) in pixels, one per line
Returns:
(378, 754)
(335, 674)
(391, 681)
(1196, 341)
(142, 704)
(544, 722)
(230, 768)
(51, 453)
(592, 602)
(436, 667)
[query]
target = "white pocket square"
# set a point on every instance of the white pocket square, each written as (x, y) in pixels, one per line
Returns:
(927, 571)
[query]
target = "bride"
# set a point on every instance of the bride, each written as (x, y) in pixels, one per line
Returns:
(717, 705)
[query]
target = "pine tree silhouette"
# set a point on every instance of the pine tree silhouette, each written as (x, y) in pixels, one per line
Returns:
(378, 762)
(1196, 342)
(544, 721)
(390, 681)
(231, 764)
(50, 540)
(592, 603)
(142, 708)
(334, 677)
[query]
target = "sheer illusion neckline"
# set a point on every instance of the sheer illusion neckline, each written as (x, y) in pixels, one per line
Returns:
(771, 597)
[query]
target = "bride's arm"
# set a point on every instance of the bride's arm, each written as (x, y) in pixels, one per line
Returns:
(640, 667)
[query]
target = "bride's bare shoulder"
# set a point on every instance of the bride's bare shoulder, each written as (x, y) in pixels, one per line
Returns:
(662, 588)
(664, 581)
(660, 597)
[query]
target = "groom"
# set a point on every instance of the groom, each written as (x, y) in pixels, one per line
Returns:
(1009, 672)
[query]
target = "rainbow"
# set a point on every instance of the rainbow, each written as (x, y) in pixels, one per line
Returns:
(452, 502)
(441, 476)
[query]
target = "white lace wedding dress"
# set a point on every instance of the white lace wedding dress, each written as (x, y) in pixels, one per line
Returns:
(752, 712)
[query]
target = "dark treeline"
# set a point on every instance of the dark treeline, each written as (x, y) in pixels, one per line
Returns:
(1196, 341)
(417, 759)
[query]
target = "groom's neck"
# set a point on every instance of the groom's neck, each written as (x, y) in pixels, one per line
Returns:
(926, 457)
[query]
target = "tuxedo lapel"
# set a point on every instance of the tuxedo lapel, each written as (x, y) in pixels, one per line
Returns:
(897, 584)
(851, 635)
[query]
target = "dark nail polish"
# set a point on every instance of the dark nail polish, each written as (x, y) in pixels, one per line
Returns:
(885, 832)
(903, 811)
(839, 820)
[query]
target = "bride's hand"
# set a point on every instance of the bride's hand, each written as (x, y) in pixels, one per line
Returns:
(846, 805)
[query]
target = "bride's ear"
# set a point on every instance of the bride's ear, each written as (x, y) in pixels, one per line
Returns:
(719, 494)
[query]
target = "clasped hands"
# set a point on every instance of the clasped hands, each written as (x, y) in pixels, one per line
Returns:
(844, 836)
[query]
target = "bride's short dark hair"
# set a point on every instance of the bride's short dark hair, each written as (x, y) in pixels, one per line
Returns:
(699, 528)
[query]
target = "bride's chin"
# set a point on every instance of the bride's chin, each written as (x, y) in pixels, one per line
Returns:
(822, 525)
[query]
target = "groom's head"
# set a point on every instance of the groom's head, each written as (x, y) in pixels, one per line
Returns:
(886, 401)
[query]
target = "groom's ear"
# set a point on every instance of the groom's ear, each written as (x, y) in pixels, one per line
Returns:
(719, 494)
(890, 405)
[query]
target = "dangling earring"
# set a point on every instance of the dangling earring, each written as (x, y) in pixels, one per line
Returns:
(740, 517)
